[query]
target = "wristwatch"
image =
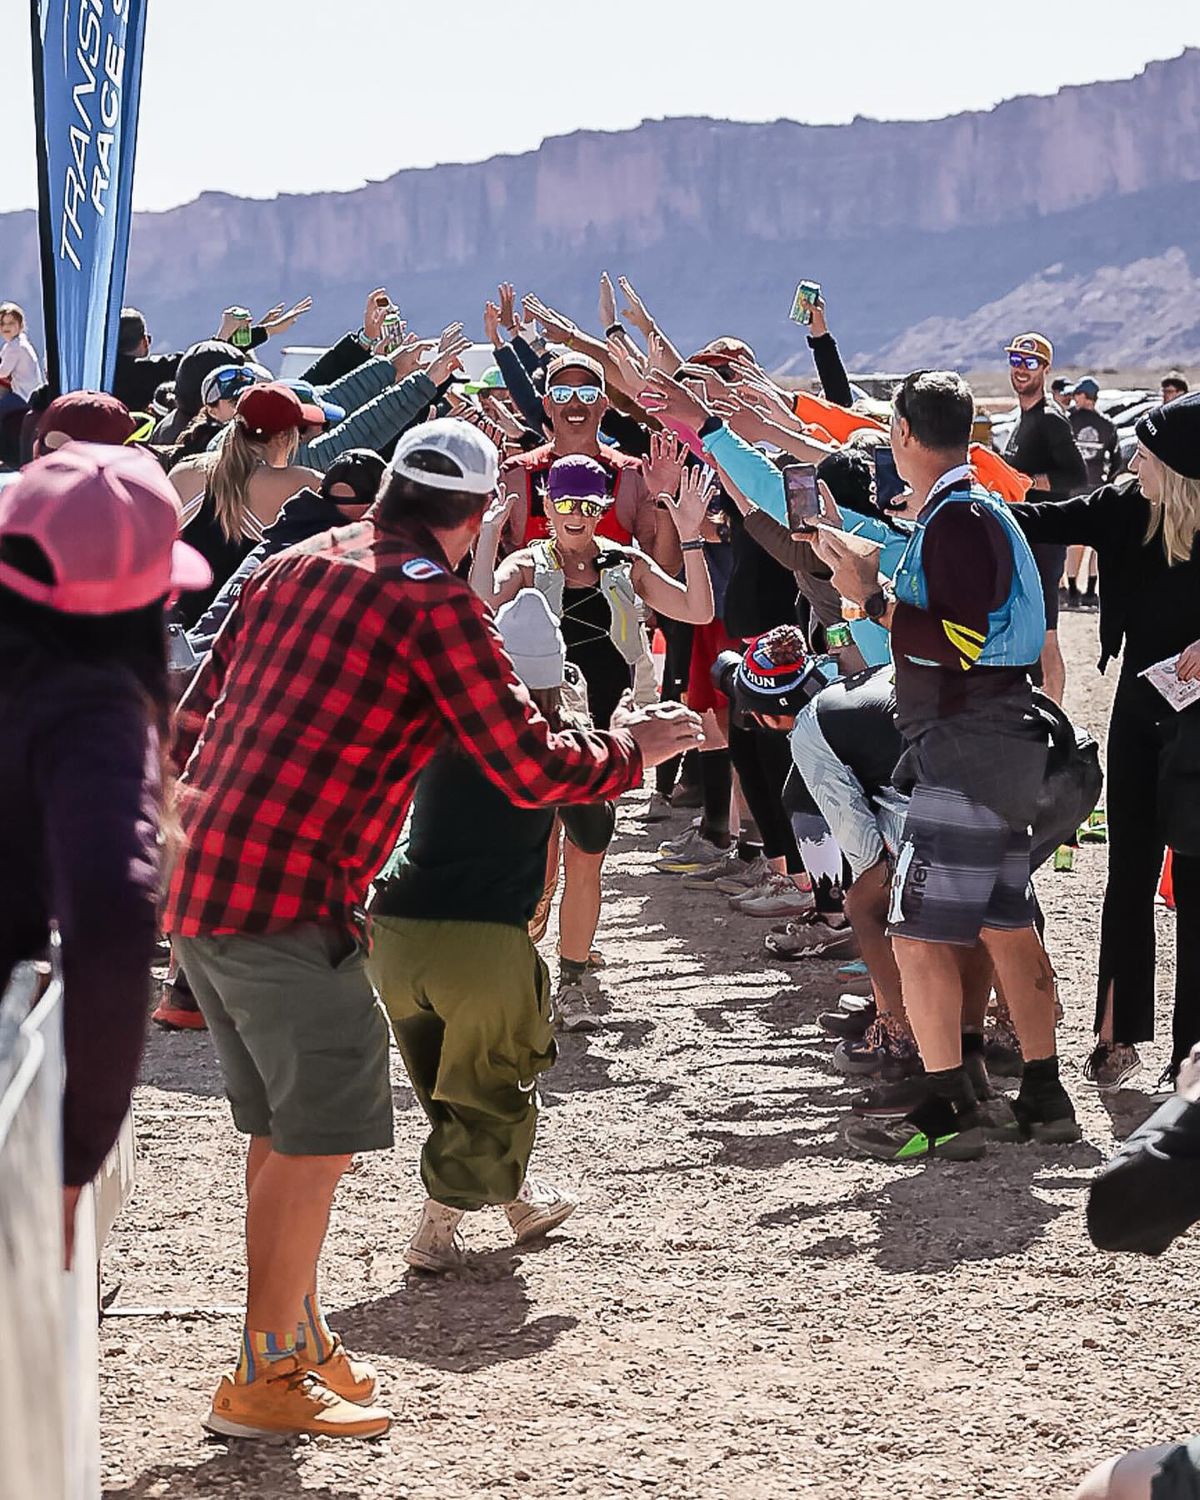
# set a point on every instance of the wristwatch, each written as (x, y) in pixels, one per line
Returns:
(877, 604)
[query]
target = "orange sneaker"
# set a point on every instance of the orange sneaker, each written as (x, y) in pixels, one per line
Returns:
(351, 1379)
(286, 1400)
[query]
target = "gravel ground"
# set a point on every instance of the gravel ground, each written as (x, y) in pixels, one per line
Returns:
(737, 1308)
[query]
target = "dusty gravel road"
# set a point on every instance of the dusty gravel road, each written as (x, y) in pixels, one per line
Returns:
(737, 1309)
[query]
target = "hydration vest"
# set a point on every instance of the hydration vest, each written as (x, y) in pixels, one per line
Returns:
(1017, 629)
(615, 566)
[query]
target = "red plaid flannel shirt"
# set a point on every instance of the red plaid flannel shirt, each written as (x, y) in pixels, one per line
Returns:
(346, 663)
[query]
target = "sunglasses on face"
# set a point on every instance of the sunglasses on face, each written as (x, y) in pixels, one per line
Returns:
(588, 394)
(589, 508)
(1025, 361)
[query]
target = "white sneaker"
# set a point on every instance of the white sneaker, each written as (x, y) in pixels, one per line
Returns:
(573, 1009)
(779, 897)
(738, 882)
(538, 1209)
(437, 1245)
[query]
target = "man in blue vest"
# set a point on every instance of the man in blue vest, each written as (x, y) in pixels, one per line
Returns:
(967, 621)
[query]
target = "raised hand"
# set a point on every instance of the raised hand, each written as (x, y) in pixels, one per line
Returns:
(447, 360)
(282, 323)
(271, 314)
(676, 401)
(230, 323)
(450, 335)
(664, 468)
(659, 355)
(406, 358)
(634, 311)
(558, 327)
(491, 325)
(499, 509)
(509, 317)
(378, 305)
(608, 302)
(631, 366)
(695, 493)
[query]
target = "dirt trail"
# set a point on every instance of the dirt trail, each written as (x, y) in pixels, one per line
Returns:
(737, 1309)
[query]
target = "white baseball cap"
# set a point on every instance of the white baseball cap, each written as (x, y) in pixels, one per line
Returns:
(473, 454)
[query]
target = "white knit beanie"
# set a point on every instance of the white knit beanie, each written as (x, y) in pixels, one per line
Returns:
(533, 640)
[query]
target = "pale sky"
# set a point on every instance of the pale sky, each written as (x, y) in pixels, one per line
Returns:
(258, 97)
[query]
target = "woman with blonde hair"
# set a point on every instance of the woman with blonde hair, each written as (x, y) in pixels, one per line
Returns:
(233, 493)
(1146, 532)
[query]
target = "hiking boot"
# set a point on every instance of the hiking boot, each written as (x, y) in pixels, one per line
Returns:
(436, 1244)
(351, 1379)
(1109, 1066)
(885, 1049)
(779, 896)
(739, 882)
(573, 1009)
(891, 1101)
(658, 809)
(812, 936)
(537, 1209)
(850, 1026)
(286, 1400)
(730, 867)
(694, 854)
(177, 1009)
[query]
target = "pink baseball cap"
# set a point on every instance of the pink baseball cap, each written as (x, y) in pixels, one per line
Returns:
(107, 520)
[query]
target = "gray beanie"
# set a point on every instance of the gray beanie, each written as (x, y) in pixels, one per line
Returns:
(533, 640)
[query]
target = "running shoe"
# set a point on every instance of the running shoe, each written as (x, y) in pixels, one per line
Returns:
(1109, 1067)
(1049, 1119)
(731, 868)
(849, 1026)
(1168, 1079)
(177, 1009)
(351, 1379)
(855, 969)
(852, 1002)
(573, 1010)
(885, 1050)
(695, 855)
(682, 841)
(287, 1400)
(812, 936)
(749, 879)
(904, 1140)
(658, 809)
(891, 1100)
(780, 896)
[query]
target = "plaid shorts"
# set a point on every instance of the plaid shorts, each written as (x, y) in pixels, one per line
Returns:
(960, 868)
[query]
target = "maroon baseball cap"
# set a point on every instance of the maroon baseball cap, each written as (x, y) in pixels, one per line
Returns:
(107, 520)
(86, 417)
(267, 410)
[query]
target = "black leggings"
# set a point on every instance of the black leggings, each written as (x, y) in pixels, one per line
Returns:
(1135, 856)
(761, 757)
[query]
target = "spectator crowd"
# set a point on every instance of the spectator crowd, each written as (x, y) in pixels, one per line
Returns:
(335, 684)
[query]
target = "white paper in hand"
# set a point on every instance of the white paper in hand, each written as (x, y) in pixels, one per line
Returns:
(1162, 675)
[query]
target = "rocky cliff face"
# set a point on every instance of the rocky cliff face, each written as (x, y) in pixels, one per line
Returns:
(902, 222)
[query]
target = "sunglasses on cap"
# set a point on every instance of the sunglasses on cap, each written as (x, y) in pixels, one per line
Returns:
(1025, 362)
(229, 383)
(589, 508)
(588, 394)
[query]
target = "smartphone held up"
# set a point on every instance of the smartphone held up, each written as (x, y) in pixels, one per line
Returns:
(808, 294)
(802, 497)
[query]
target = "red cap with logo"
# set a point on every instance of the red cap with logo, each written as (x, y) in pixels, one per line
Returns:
(107, 521)
(267, 410)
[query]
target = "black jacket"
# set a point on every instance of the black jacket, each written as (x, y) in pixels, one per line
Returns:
(305, 514)
(1139, 592)
(137, 378)
(1149, 1193)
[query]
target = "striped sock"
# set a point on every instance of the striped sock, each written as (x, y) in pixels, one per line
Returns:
(314, 1334)
(260, 1350)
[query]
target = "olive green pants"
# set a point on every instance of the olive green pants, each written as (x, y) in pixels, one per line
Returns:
(469, 1004)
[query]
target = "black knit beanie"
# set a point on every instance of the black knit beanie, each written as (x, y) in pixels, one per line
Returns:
(1172, 434)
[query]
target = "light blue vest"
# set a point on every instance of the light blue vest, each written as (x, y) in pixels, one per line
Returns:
(1017, 629)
